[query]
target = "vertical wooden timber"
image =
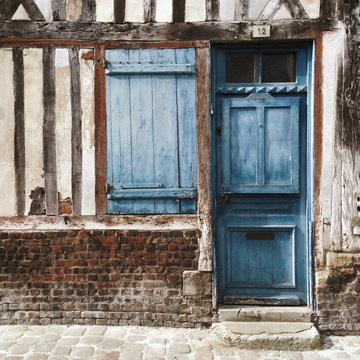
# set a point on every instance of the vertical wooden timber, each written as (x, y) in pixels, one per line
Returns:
(178, 10)
(327, 9)
(76, 131)
(212, 10)
(203, 153)
(100, 131)
(149, 10)
(318, 126)
(119, 11)
(88, 10)
(49, 145)
(19, 135)
(241, 9)
(59, 10)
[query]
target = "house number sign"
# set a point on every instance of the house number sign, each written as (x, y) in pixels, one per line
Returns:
(261, 31)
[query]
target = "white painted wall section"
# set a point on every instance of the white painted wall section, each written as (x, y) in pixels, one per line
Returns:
(7, 125)
(163, 11)
(45, 8)
(73, 10)
(105, 10)
(283, 14)
(21, 14)
(134, 11)
(332, 55)
(312, 7)
(195, 10)
(227, 10)
(88, 135)
(63, 123)
(33, 84)
(255, 8)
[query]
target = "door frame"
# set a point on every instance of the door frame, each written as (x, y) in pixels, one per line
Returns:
(312, 46)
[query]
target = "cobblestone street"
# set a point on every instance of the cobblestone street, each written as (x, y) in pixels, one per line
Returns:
(145, 343)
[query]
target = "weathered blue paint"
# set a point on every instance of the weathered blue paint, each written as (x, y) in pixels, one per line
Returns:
(261, 187)
(151, 122)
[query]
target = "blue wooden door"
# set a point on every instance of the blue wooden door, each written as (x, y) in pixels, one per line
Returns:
(261, 191)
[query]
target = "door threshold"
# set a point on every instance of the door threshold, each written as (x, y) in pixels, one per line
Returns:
(265, 313)
(262, 300)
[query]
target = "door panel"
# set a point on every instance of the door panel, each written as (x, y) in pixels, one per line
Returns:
(261, 190)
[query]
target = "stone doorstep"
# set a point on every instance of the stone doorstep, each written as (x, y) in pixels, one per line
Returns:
(265, 313)
(286, 336)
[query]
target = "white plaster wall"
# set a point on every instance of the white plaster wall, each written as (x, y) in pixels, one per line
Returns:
(283, 14)
(312, 7)
(195, 10)
(163, 11)
(88, 135)
(255, 8)
(134, 11)
(227, 10)
(7, 125)
(73, 10)
(63, 123)
(20, 14)
(330, 179)
(105, 10)
(45, 8)
(33, 83)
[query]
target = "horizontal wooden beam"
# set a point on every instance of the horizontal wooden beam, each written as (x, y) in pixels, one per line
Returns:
(118, 222)
(213, 31)
(179, 69)
(152, 194)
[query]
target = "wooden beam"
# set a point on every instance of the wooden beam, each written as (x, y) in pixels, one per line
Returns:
(19, 135)
(76, 131)
(33, 10)
(149, 10)
(328, 9)
(158, 32)
(59, 10)
(119, 11)
(100, 132)
(212, 10)
(49, 145)
(88, 10)
(241, 9)
(8, 9)
(178, 11)
(318, 126)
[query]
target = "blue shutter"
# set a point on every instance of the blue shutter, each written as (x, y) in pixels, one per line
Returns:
(151, 131)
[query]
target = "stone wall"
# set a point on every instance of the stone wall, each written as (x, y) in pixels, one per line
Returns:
(337, 293)
(103, 277)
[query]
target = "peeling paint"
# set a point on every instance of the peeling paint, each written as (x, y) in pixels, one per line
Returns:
(37, 206)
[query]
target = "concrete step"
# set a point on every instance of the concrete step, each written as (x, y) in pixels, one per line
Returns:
(267, 335)
(265, 313)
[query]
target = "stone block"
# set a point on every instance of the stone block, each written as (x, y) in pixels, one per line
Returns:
(196, 283)
(338, 260)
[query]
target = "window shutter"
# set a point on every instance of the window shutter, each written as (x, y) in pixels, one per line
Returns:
(151, 131)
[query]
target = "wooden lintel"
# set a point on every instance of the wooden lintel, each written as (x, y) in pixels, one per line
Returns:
(156, 32)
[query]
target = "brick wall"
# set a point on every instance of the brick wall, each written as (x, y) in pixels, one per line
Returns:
(103, 277)
(338, 293)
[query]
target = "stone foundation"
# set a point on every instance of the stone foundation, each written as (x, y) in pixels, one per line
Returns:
(103, 277)
(337, 293)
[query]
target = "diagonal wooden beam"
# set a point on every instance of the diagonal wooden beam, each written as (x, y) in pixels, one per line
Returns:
(32, 10)
(273, 6)
(9, 8)
(296, 10)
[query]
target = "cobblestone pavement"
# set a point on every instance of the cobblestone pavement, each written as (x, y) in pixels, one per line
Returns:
(145, 343)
